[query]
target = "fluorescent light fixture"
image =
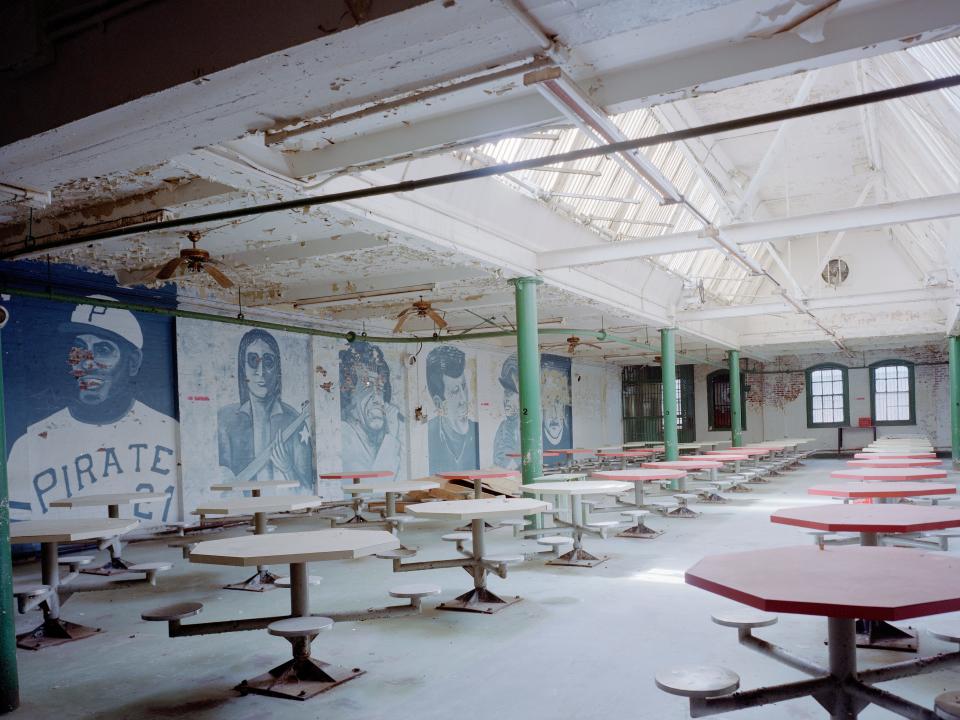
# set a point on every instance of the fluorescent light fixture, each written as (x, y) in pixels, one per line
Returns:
(363, 295)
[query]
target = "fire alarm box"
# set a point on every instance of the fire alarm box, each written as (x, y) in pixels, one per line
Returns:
(864, 422)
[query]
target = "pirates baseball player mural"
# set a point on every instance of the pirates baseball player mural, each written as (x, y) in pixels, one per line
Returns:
(91, 365)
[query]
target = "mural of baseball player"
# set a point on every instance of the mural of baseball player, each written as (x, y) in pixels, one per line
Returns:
(103, 439)
(372, 424)
(261, 437)
(451, 435)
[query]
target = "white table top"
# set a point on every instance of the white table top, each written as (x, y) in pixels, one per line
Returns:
(255, 485)
(294, 547)
(579, 487)
(244, 505)
(401, 486)
(484, 508)
(107, 499)
(559, 477)
(62, 530)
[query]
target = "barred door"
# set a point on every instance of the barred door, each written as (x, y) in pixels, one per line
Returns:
(643, 403)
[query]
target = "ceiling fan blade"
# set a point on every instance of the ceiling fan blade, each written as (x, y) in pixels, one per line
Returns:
(169, 268)
(406, 311)
(592, 345)
(401, 319)
(140, 276)
(435, 316)
(222, 280)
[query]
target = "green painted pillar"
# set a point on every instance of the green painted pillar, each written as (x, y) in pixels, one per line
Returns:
(528, 361)
(9, 685)
(736, 409)
(955, 399)
(668, 370)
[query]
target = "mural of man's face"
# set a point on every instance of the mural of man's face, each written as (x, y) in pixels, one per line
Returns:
(100, 367)
(368, 402)
(261, 366)
(455, 402)
(554, 406)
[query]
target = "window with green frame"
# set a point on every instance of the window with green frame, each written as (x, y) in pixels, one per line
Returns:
(892, 393)
(828, 396)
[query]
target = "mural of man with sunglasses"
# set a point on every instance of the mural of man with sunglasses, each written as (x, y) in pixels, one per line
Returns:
(261, 437)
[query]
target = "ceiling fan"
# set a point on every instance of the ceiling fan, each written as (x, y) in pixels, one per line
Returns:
(573, 342)
(421, 308)
(190, 260)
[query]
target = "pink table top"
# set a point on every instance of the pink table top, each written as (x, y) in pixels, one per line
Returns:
(740, 451)
(546, 453)
(882, 490)
(889, 474)
(895, 463)
(477, 474)
(774, 448)
(892, 455)
(356, 475)
(684, 464)
(869, 518)
(625, 453)
(726, 457)
(873, 583)
(574, 451)
(640, 474)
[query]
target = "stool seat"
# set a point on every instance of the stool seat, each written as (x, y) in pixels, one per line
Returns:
(270, 529)
(603, 523)
(285, 581)
(415, 590)
(396, 553)
(554, 540)
(147, 567)
(514, 522)
(172, 612)
(457, 536)
(635, 513)
(75, 559)
(685, 496)
(30, 590)
(947, 705)
(743, 618)
(945, 631)
(504, 559)
(297, 627)
(698, 681)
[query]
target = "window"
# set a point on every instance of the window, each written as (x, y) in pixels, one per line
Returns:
(828, 402)
(891, 393)
(718, 401)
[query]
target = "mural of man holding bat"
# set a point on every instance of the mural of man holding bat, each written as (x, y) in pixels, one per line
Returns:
(261, 437)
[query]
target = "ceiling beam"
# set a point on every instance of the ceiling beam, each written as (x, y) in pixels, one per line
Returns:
(871, 216)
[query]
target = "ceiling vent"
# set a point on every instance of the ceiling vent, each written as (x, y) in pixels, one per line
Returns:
(835, 272)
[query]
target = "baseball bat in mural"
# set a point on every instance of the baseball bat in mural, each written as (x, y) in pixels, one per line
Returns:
(101, 438)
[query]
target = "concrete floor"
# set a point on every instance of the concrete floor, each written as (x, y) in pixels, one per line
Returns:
(584, 643)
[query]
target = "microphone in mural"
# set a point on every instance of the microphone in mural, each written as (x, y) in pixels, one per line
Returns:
(102, 439)
(261, 437)
(452, 435)
(507, 438)
(371, 424)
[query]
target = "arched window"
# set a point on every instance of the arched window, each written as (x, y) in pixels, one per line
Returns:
(718, 401)
(828, 396)
(891, 393)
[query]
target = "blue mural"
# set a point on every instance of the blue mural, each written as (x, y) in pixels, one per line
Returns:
(556, 398)
(452, 436)
(261, 437)
(90, 403)
(507, 439)
(371, 422)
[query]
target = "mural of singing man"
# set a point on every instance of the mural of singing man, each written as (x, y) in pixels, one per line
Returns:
(507, 438)
(261, 437)
(371, 429)
(451, 435)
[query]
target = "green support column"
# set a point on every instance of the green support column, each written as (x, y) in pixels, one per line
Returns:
(528, 361)
(9, 685)
(668, 370)
(736, 410)
(955, 399)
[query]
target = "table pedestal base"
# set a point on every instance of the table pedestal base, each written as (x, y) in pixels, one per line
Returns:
(114, 566)
(479, 600)
(54, 632)
(262, 581)
(578, 557)
(884, 636)
(640, 530)
(299, 679)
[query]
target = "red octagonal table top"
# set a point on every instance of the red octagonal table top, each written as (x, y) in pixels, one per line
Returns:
(740, 451)
(884, 462)
(889, 474)
(893, 455)
(882, 490)
(869, 518)
(873, 583)
(477, 474)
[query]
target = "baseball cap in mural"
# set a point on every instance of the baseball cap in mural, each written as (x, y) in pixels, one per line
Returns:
(91, 318)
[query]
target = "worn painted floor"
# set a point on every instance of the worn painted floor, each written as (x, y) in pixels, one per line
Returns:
(584, 643)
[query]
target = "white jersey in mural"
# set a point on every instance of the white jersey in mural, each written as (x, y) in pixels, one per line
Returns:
(61, 457)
